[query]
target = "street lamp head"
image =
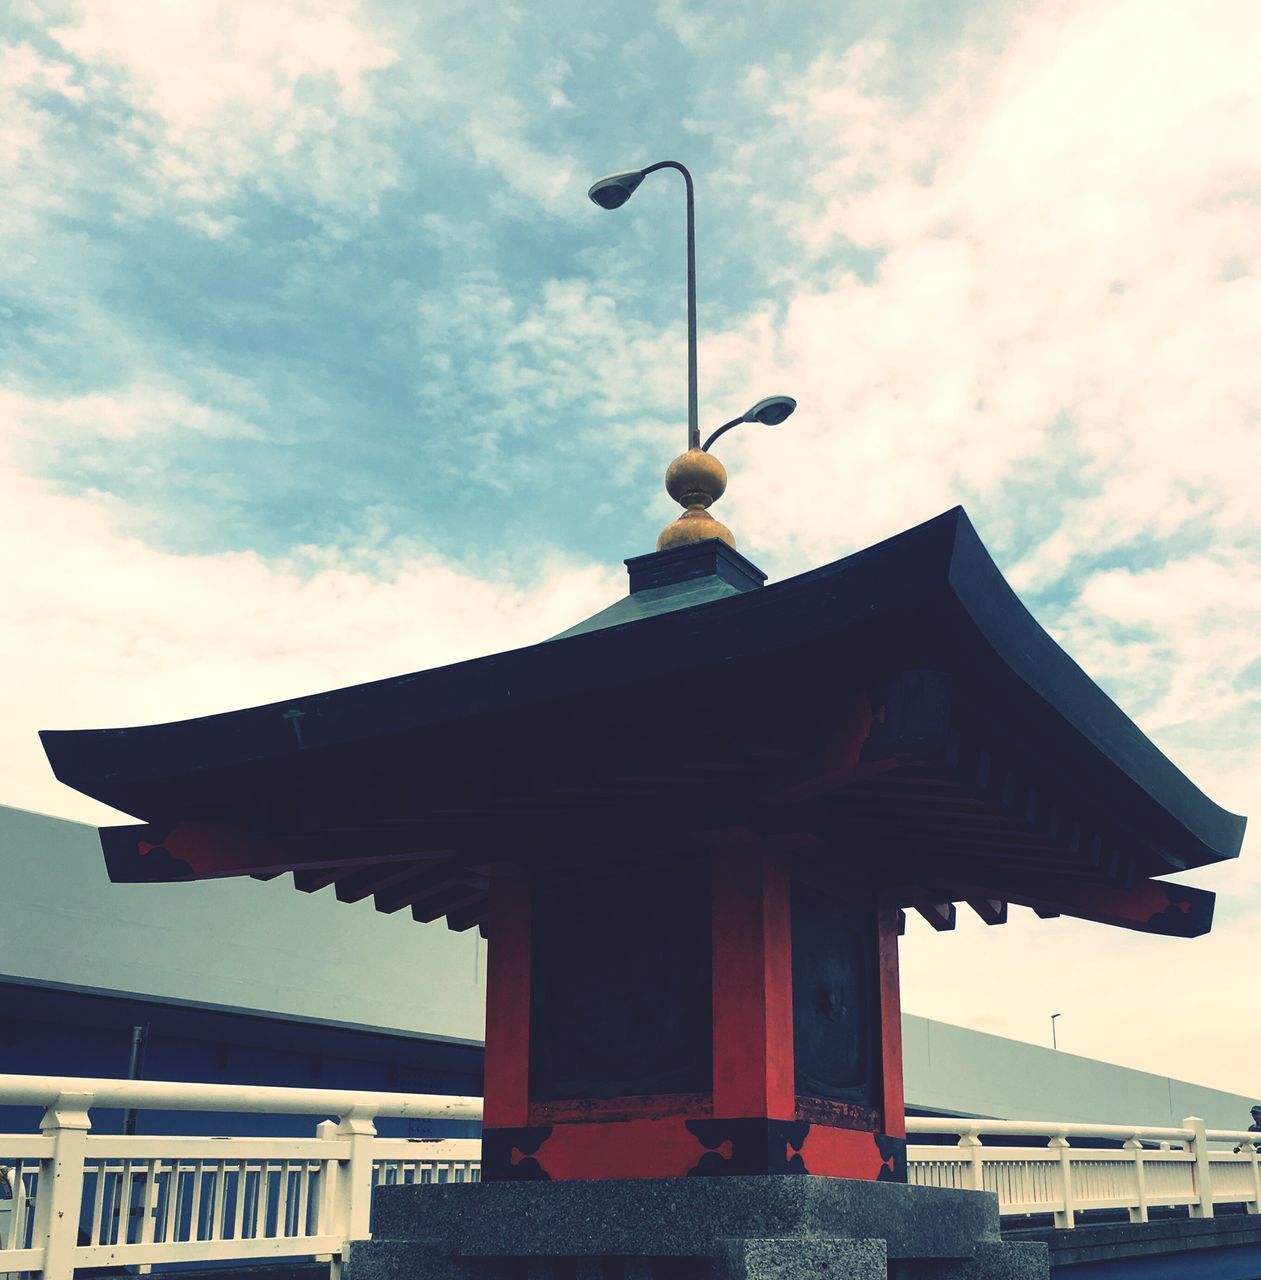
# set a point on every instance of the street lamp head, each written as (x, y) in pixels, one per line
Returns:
(615, 190)
(771, 411)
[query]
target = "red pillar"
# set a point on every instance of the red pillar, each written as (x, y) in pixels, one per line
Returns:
(894, 1106)
(752, 991)
(507, 1061)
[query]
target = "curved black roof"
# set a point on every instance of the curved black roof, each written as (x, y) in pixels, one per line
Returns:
(963, 681)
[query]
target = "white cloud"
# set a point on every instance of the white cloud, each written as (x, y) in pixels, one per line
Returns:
(571, 360)
(1067, 223)
(315, 104)
(139, 410)
(498, 138)
(1197, 622)
(690, 24)
(201, 64)
(30, 87)
(25, 79)
(1177, 646)
(101, 629)
(219, 97)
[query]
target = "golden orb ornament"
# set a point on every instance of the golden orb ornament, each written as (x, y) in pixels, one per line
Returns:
(695, 479)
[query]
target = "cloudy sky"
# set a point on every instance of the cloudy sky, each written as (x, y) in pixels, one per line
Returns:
(317, 365)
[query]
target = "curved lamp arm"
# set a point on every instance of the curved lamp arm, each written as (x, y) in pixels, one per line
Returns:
(770, 412)
(726, 426)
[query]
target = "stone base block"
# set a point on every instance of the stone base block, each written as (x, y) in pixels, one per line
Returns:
(990, 1261)
(732, 1228)
(797, 1259)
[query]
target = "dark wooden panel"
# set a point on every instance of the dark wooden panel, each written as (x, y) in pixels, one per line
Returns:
(836, 1013)
(621, 995)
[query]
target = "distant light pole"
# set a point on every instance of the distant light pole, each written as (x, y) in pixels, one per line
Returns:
(614, 191)
(1054, 1042)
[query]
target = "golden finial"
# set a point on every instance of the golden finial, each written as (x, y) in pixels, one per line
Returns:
(695, 479)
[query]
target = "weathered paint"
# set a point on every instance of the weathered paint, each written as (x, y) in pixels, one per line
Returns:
(674, 1147)
(1150, 906)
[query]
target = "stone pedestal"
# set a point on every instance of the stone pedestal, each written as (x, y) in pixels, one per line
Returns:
(731, 1228)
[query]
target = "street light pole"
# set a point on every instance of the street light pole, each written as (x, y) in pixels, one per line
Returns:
(613, 192)
(1054, 1041)
(695, 479)
(693, 416)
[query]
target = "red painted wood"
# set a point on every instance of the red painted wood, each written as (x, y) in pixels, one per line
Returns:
(1149, 906)
(664, 1147)
(752, 986)
(843, 1153)
(891, 1025)
(658, 1148)
(507, 1061)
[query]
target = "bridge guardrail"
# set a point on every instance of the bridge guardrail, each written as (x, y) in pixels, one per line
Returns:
(1152, 1167)
(79, 1199)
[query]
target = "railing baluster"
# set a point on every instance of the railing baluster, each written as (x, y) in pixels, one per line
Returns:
(1064, 1217)
(262, 1210)
(223, 1200)
(971, 1143)
(126, 1192)
(96, 1224)
(238, 1212)
(257, 1224)
(212, 1190)
(148, 1226)
(1138, 1211)
(60, 1192)
(355, 1180)
(194, 1219)
(170, 1222)
(22, 1201)
(326, 1131)
(282, 1200)
(1203, 1206)
(302, 1211)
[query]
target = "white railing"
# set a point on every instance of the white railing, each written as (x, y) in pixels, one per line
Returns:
(79, 1199)
(1187, 1166)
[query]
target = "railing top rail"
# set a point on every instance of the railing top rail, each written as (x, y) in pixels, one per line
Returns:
(971, 1127)
(171, 1095)
(1234, 1135)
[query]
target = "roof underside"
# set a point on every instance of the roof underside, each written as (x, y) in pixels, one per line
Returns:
(898, 715)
